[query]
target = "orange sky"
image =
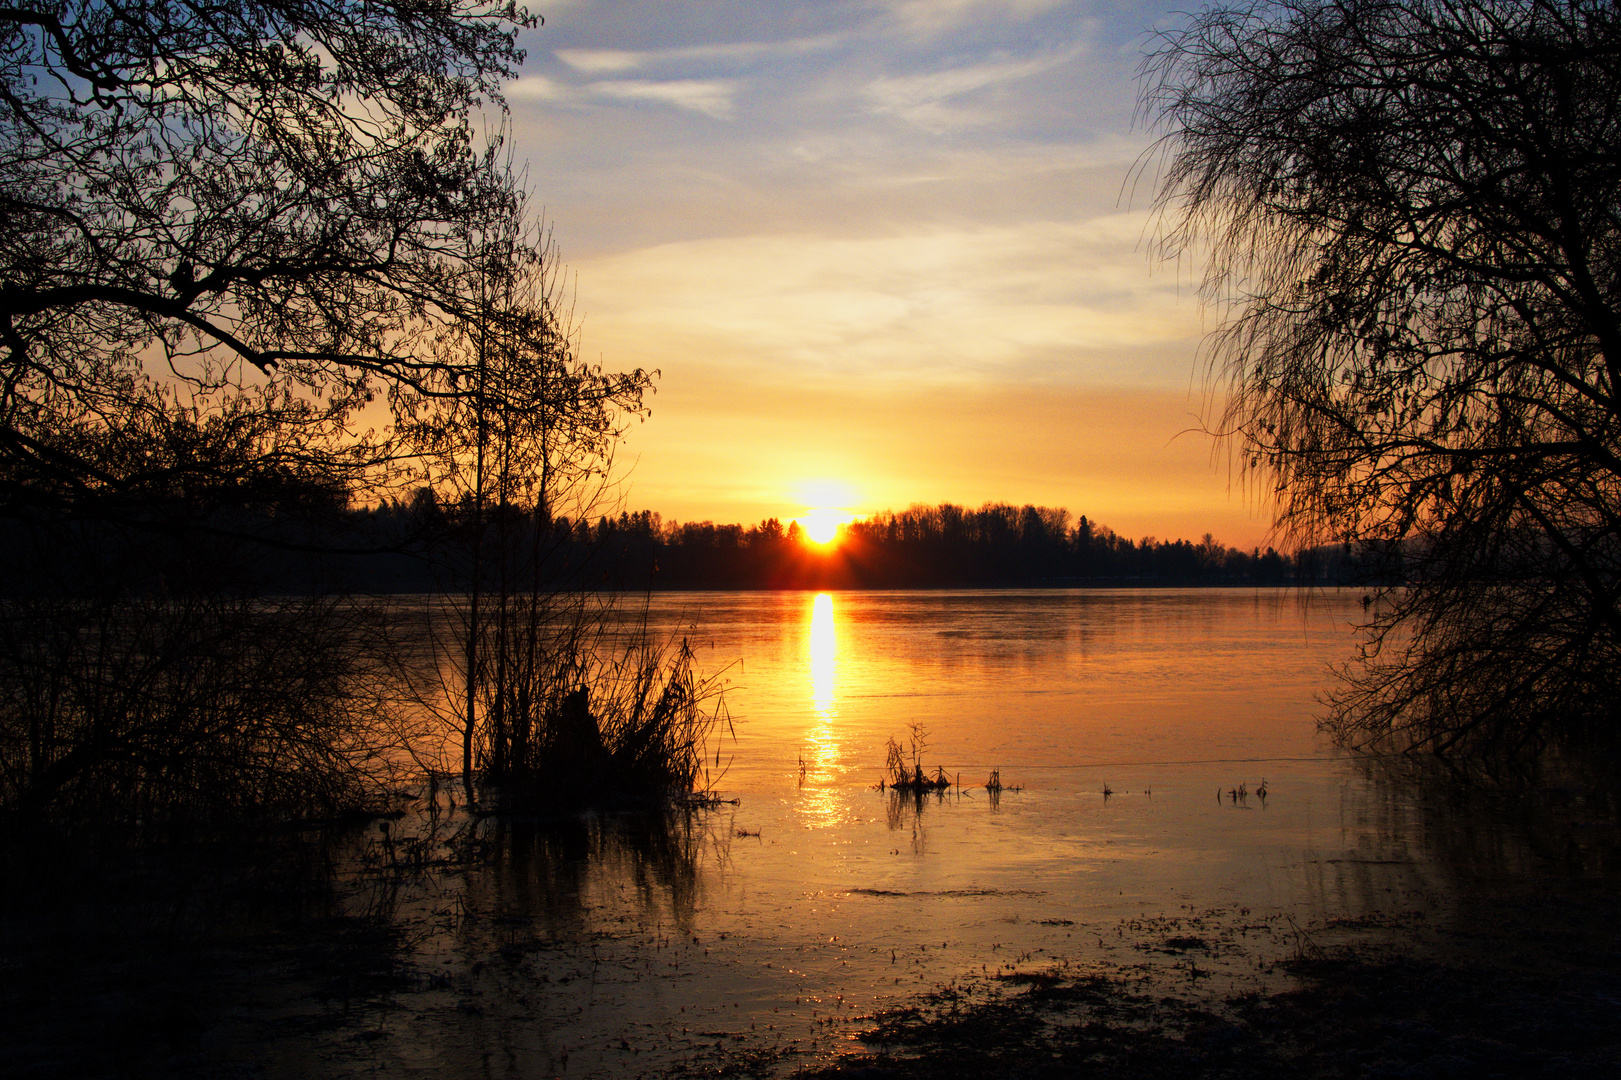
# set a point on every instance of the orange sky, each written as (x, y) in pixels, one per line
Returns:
(881, 253)
(1124, 457)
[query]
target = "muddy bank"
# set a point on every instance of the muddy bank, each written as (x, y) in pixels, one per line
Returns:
(1525, 985)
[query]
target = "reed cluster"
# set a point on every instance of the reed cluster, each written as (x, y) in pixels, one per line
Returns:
(619, 726)
(903, 767)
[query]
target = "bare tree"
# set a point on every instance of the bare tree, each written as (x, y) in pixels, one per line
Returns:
(251, 252)
(226, 228)
(1412, 212)
(515, 430)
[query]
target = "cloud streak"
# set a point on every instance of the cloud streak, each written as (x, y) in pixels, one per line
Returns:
(715, 98)
(936, 17)
(923, 99)
(942, 306)
(711, 97)
(733, 54)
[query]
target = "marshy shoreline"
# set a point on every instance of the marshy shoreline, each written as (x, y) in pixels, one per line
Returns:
(1370, 917)
(1533, 989)
(243, 955)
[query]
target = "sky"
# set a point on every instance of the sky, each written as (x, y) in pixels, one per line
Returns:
(881, 252)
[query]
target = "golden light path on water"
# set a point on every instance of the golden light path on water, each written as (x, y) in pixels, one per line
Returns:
(822, 757)
(824, 658)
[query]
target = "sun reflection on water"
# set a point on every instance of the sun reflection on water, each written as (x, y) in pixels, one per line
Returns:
(823, 751)
(824, 657)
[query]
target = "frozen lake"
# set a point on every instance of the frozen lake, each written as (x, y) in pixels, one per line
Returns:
(609, 946)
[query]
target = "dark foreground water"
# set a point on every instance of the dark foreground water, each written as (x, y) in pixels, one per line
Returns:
(763, 934)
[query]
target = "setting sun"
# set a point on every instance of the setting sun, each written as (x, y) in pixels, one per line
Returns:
(821, 519)
(822, 526)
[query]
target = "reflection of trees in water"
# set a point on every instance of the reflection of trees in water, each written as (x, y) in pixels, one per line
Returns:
(1556, 818)
(128, 951)
(1526, 869)
(1506, 872)
(1425, 835)
(552, 872)
(343, 927)
(556, 873)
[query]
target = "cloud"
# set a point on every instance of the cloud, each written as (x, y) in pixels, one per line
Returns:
(600, 61)
(604, 61)
(1033, 301)
(536, 88)
(922, 99)
(711, 97)
(931, 17)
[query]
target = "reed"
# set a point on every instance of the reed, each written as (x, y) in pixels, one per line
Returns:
(903, 767)
(604, 724)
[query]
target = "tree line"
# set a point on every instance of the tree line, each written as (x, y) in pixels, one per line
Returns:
(940, 546)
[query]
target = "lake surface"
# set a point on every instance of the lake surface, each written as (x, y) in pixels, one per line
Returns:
(608, 947)
(761, 934)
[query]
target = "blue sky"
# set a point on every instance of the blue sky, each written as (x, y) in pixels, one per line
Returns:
(881, 253)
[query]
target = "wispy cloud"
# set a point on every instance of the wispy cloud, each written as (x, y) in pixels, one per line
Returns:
(537, 88)
(935, 305)
(932, 17)
(925, 100)
(601, 61)
(605, 61)
(711, 97)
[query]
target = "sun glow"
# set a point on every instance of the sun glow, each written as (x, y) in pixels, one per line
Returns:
(826, 504)
(822, 526)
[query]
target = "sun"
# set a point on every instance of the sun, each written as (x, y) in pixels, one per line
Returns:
(824, 501)
(822, 526)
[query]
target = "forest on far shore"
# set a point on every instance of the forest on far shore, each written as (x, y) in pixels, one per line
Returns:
(941, 546)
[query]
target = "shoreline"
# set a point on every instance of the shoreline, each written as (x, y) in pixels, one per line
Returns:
(1518, 978)
(1523, 985)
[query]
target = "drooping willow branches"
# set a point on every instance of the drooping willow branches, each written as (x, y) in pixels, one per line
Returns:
(1412, 212)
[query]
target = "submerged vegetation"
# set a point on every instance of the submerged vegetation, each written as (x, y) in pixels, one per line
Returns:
(144, 682)
(606, 725)
(151, 708)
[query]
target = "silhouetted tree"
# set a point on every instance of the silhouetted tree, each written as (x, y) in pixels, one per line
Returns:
(252, 261)
(1413, 214)
(225, 229)
(514, 428)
